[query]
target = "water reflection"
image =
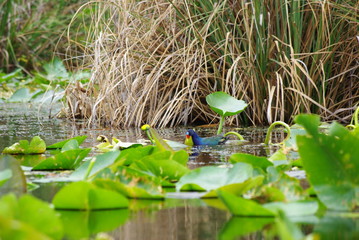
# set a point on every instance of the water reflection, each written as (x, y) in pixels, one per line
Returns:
(185, 222)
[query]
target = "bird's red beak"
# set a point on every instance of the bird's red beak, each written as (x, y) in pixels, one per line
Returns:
(188, 136)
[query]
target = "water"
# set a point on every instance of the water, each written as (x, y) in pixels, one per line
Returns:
(180, 217)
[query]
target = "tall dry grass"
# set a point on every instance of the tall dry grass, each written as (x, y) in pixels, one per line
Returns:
(155, 61)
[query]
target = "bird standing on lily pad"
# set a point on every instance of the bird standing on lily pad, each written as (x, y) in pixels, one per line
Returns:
(192, 138)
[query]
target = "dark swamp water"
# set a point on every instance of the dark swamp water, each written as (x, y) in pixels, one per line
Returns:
(181, 216)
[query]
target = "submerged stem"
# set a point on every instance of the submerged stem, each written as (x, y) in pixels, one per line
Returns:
(271, 127)
(239, 136)
(220, 126)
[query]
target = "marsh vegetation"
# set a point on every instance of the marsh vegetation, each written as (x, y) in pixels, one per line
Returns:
(166, 63)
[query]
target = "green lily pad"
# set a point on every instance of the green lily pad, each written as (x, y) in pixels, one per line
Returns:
(297, 208)
(167, 169)
(255, 161)
(237, 188)
(210, 177)
(168, 165)
(243, 207)
(36, 146)
(67, 160)
(22, 95)
(34, 217)
(101, 161)
(13, 179)
(224, 104)
(137, 188)
(79, 139)
(331, 162)
(5, 175)
(86, 196)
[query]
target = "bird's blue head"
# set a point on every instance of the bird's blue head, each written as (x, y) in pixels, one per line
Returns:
(192, 138)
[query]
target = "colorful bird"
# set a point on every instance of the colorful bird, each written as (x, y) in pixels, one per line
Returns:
(192, 138)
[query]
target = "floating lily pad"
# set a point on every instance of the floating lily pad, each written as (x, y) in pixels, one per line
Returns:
(12, 177)
(101, 161)
(137, 188)
(224, 104)
(86, 196)
(5, 175)
(67, 160)
(244, 207)
(22, 95)
(210, 177)
(79, 139)
(168, 165)
(237, 188)
(28, 216)
(255, 161)
(36, 146)
(294, 209)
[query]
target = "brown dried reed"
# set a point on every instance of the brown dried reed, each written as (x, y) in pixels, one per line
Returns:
(154, 61)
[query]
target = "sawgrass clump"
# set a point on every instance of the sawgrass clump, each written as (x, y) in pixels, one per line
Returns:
(155, 61)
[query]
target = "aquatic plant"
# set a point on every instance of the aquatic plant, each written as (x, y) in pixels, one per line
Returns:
(271, 128)
(31, 32)
(331, 162)
(225, 105)
(36, 146)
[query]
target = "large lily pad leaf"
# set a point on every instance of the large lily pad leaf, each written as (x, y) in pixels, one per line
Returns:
(22, 95)
(101, 161)
(32, 215)
(12, 177)
(282, 186)
(297, 208)
(5, 175)
(137, 188)
(210, 178)
(36, 146)
(79, 139)
(237, 188)
(167, 169)
(128, 156)
(224, 104)
(168, 165)
(83, 224)
(331, 162)
(260, 162)
(244, 207)
(67, 160)
(86, 196)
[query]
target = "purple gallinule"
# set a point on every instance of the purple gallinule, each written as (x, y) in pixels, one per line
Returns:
(192, 138)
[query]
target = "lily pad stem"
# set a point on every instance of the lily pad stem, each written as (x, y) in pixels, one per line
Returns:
(220, 126)
(89, 168)
(272, 126)
(239, 136)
